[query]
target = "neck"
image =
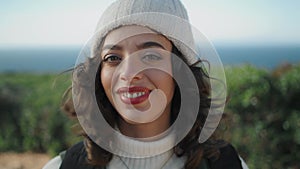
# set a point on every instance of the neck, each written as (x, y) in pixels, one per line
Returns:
(145, 130)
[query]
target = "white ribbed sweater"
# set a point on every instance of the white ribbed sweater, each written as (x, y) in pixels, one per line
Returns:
(165, 160)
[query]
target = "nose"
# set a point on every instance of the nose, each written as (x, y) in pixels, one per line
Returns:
(130, 69)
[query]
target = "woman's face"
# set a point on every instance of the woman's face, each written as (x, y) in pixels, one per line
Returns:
(136, 74)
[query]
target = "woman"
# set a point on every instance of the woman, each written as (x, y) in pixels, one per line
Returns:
(141, 97)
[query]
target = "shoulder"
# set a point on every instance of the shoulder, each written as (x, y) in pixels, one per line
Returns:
(54, 163)
(73, 158)
(76, 150)
(228, 158)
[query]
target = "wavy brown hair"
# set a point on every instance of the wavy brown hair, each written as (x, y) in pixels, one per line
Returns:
(188, 146)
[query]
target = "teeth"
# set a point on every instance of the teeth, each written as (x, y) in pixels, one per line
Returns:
(133, 95)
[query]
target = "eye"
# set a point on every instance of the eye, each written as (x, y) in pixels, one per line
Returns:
(152, 57)
(112, 59)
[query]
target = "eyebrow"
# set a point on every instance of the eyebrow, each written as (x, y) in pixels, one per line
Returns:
(112, 47)
(150, 44)
(141, 46)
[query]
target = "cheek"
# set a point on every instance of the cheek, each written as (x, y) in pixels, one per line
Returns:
(170, 86)
(166, 83)
(106, 78)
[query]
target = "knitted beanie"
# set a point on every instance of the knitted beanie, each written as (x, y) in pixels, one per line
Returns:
(166, 17)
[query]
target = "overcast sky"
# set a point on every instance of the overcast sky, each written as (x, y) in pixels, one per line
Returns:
(72, 22)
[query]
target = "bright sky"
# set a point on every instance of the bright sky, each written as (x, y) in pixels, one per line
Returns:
(69, 22)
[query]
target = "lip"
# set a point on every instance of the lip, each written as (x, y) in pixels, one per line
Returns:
(133, 95)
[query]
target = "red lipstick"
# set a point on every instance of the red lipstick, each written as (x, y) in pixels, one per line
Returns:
(133, 95)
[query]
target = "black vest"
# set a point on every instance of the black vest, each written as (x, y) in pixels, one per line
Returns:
(75, 158)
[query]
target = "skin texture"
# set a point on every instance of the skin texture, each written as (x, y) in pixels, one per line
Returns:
(137, 60)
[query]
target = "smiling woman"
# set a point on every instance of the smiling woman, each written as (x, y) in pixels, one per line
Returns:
(142, 95)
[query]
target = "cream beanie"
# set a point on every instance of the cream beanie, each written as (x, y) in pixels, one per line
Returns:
(167, 17)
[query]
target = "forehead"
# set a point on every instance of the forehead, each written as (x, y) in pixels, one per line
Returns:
(135, 33)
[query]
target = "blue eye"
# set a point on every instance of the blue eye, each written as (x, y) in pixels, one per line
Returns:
(112, 58)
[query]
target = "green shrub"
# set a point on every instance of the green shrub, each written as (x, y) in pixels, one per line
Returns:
(11, 105)
(265, 110)
(31, 119)
(263, 114)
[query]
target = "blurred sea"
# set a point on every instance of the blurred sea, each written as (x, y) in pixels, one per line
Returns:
(54, 60)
